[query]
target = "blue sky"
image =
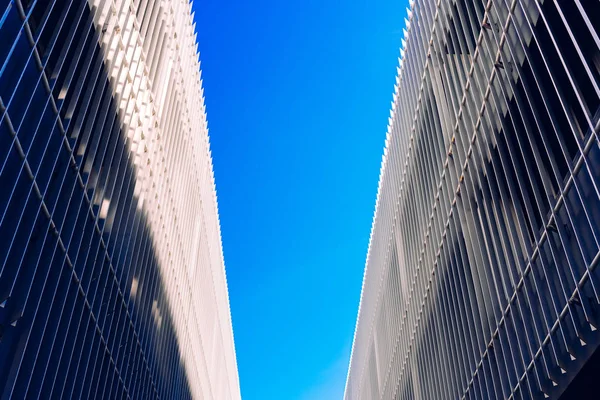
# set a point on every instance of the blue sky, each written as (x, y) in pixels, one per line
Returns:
(298, 96)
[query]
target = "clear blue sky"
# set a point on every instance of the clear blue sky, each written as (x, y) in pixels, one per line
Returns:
(298, 96)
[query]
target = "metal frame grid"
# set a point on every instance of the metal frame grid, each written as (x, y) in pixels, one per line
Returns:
(112, 282)
(481, 279)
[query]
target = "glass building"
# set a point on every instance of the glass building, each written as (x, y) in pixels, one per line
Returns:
(482, 277)
(112, 281)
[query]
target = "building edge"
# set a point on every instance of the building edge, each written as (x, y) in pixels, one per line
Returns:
(382, 171)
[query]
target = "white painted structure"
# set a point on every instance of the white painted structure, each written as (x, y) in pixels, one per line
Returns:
(153, 62)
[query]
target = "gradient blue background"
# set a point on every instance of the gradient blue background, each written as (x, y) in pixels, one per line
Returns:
(298, 96)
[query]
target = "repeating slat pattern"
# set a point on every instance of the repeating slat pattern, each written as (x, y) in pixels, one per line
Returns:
(112, 282)
(482, 276)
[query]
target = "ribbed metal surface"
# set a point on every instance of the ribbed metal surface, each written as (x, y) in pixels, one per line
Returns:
(482, 276)
(112, 282)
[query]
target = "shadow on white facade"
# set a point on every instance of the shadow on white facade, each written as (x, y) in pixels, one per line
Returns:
(112, 281)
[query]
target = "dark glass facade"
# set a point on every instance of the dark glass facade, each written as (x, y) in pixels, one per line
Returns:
(482, 278)
(96, 296)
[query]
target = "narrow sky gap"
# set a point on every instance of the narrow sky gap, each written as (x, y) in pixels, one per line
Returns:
(297, 97)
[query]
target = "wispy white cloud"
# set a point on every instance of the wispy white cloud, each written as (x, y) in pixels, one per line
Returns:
(332, 381)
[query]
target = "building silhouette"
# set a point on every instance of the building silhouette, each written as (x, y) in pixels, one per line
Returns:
(112, 282)
(482, 278)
